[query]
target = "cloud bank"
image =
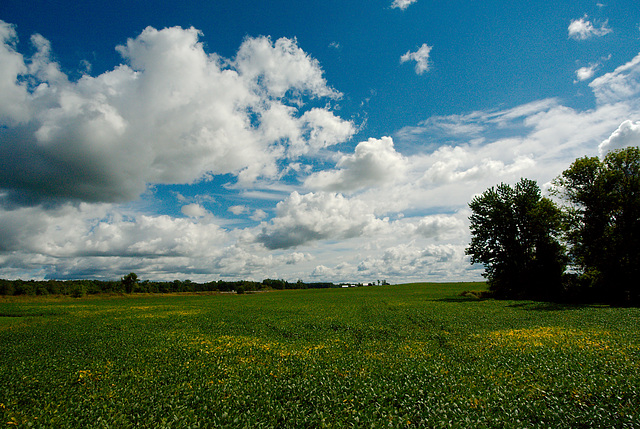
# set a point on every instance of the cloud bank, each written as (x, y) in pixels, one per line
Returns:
(171, 113)
(393, 207)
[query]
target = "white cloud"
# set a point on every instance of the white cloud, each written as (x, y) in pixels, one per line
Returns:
(175, 114)
(472, 127)
(98, 230)
(238, 210)
(171, 114)
(464, 154)
(343, 272)
(460, 165)
(440, 226)
(374, 163)
(323, 272)
(586, 73)
(13, 108)
(252, 263)
(315, 130)
(97, 241)
(304, 218)
(627, 134)
(281, 67)
(416, 262)
(397, 252)
(194, 210)
(421, 57)
(620, 85)
(258, 215)
(402, 4)
(582, 29)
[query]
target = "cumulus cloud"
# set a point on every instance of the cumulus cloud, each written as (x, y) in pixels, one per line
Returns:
(92, 230)
(323, 272)
(13, 108)
(251, 262)
(586, 73)
(258, 215)
(460, 165)
(172, 113)
(627, 134)
(582, 29)
(238, 210)
(315, 130)
(148, 124)
(413, 261)
(402, 4)
(281, 67)
(440, 226)
(343, 272)
(316, 216)
(421, 57)
(194, 210)
(97, 241)
(373, 163)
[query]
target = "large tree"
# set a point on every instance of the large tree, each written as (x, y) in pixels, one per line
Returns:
(514, 234)
(129, 282)
(603, 214)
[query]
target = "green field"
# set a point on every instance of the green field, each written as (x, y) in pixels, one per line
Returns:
(385, 356)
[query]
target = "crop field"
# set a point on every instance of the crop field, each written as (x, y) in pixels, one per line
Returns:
(415, 355)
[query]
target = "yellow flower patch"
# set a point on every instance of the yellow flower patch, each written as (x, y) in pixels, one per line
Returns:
(548, 336)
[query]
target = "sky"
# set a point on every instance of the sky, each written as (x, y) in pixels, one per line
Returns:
(315, 141)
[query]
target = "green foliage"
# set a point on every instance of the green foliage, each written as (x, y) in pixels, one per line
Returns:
(274, 284)
(603, 218)
(392, 356)
(130, 282)
(514, 234)
(79, 291)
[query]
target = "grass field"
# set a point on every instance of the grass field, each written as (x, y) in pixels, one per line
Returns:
(385, 356)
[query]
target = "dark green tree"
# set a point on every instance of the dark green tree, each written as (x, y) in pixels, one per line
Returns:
(129, 282)
(514, 234)
(603, 217)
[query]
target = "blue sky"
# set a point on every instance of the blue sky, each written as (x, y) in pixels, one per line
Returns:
(336, 141)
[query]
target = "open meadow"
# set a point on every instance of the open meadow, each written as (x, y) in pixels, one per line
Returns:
(415, 355)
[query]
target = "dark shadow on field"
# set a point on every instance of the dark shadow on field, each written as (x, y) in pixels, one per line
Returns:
(551, 306)
(27, 313)
(459, 299)
(524, 305)
(467, 296)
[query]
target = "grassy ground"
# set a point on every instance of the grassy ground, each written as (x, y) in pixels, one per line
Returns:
(389, 356)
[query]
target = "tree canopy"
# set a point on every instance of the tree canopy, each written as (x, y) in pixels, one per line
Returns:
(514, 233)
(525, 241)
(603, 222)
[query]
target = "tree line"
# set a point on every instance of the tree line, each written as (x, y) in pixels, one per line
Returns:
(586, 247)
(131, 284)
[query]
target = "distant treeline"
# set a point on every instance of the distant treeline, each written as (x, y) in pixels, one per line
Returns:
(130, 284)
